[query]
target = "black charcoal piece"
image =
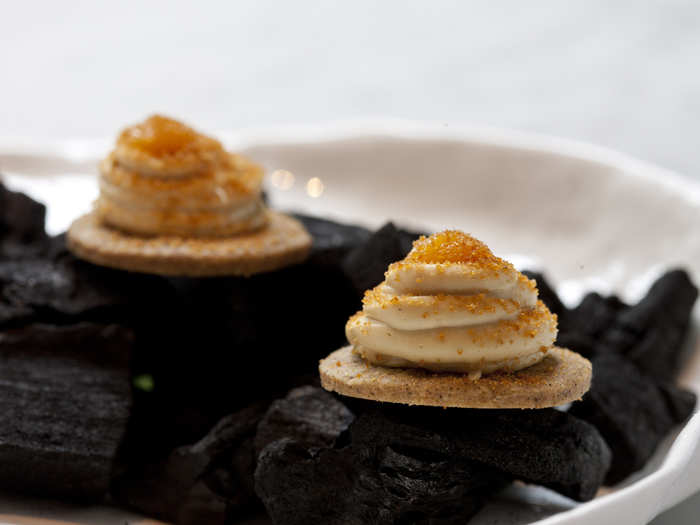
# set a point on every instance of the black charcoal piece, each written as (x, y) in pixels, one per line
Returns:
(680, 402)
(48, 291)
(366, 264)
(546, 447)
(582, 328)
(308, 415)
(65, 395)
(585, 345)
(62, 289)
(651, 333)
(421, 464)
(279, 323)
(200, 483)
(21, 222)
(631, 412)
(332, 240)
(301, 485)
(319, 476)
(407, 237)
(547, 293)
(594, 315)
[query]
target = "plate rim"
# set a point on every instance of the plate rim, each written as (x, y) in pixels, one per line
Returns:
(84, 149)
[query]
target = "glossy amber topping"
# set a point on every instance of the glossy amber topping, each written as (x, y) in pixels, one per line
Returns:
(160, 136)
(452, 246)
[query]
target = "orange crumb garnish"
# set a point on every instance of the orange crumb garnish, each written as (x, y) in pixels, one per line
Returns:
(161, 136)
(452, 246)
(530, 283)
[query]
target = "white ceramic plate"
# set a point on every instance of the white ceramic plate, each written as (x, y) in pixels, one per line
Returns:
(591, 218)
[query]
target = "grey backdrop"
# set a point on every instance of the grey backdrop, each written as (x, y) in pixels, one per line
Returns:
(623, 74)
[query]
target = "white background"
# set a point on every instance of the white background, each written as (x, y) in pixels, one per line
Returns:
(623, 74)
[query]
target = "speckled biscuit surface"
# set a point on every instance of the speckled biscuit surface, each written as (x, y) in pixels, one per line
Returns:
(283, 242)
(561, 377)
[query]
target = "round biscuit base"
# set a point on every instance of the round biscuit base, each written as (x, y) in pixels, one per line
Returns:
(283, 242)
(561, 377)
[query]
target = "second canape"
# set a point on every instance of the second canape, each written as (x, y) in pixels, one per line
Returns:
(175, 202)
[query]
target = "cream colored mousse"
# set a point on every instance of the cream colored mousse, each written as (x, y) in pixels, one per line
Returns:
(452, 306)
(164, 178)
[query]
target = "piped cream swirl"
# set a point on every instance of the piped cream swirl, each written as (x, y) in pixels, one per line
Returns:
(164, 178)
(452, 305)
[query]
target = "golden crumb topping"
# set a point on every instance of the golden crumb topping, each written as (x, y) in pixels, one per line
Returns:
(452, 246)
(529, 283)
(160, 136)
